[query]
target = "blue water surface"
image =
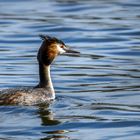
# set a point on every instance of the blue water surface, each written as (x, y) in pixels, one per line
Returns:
(98, 91)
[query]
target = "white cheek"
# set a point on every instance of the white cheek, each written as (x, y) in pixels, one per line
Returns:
(61, 50)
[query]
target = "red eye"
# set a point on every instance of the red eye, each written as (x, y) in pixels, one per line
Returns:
(61, 46)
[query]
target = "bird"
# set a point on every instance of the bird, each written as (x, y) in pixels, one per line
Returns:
(44, 92)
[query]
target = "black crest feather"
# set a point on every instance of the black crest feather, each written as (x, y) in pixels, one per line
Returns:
(50, 39)
(44, 37)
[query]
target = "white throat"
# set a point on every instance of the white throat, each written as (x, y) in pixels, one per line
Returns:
(45, 80)
(60, 49)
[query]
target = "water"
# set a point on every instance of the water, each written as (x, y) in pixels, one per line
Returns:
(98, 92)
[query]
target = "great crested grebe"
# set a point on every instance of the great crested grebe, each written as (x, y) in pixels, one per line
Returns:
(44, 91)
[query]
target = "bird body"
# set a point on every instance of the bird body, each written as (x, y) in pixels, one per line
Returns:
(25, 96)
(44, 91)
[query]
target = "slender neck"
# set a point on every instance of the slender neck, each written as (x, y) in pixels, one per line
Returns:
(45, 77)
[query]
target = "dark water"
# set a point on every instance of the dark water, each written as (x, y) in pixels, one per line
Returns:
(98, 92)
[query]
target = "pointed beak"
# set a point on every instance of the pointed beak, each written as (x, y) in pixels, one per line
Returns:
(70, 51)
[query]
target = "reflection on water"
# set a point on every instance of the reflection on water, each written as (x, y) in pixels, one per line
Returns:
(97, 91)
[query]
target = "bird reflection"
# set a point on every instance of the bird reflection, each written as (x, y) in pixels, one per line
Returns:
(47, 119)
(55, 137)
(46, 116)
